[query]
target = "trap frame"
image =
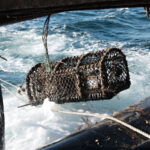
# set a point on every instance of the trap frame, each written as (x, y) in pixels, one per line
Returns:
(92, 76)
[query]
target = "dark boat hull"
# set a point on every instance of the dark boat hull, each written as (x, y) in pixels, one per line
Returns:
(110, 135)
(15, 11)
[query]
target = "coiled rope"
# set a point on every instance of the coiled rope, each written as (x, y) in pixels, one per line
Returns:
(107, 117)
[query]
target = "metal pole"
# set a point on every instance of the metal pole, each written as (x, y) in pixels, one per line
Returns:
(2, 122)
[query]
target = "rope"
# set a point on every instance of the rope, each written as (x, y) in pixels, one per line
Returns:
(8, 83)
(44, 38)
(107, 117)
(12, 93)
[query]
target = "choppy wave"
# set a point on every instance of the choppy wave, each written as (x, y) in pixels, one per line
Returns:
(70, 33)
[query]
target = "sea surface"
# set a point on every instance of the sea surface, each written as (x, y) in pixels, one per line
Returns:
(70, 33)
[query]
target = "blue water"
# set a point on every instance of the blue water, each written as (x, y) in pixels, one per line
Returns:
(70, 33)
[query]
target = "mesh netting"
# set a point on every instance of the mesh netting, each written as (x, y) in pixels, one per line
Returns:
(92, 76)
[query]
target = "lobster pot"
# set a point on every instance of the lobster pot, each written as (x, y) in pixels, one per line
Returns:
(92, 76)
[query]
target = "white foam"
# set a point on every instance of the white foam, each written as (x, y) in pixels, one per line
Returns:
(16, 65)
(3, 29)
(32, 127)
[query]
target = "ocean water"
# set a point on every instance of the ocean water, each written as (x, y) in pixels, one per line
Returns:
(70, 33)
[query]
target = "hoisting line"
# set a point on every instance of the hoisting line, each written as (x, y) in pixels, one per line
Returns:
(44, 39)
